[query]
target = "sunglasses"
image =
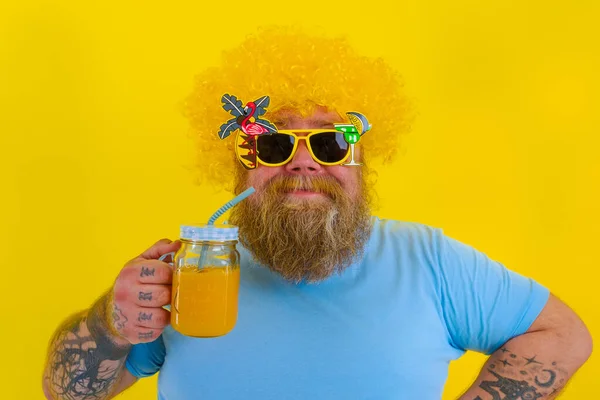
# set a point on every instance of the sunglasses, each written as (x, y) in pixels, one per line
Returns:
(326, 146)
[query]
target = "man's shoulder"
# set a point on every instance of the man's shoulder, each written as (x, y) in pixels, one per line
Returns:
(392, 235)
(412, 247)
(402, 229)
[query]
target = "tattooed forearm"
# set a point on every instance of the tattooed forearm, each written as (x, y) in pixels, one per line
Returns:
(510, 376)
(83, 361)
(537, 364)
(145, 296)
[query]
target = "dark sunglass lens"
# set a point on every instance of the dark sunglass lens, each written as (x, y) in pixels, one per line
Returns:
(275, 148)
(329, 147)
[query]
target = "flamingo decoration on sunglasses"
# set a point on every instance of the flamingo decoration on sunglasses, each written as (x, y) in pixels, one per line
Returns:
(249, 125)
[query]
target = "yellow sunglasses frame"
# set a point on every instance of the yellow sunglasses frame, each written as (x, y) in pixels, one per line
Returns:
(309, 133)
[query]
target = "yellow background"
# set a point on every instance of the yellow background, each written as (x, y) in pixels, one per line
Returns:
(504, 154)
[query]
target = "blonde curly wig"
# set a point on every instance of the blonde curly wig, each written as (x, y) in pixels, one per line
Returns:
(298, 70)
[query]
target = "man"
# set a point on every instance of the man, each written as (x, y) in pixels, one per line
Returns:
(334, 304)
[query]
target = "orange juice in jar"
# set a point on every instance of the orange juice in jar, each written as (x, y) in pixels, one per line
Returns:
(206, 280)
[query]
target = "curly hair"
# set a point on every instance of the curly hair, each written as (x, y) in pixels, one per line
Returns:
(297, 70)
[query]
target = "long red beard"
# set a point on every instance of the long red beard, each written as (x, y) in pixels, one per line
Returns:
(304, 240)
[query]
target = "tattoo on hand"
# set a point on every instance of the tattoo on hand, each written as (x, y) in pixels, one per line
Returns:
(145, 335)
(147, 271)
(119, 319)
(145, 296)
(534, 378)
(142, 316)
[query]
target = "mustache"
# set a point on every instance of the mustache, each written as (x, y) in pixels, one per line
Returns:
(327, 185)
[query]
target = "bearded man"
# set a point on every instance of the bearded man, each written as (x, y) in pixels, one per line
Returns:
(334, 303)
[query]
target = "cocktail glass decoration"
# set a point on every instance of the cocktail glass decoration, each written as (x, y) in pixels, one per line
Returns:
(352, 132)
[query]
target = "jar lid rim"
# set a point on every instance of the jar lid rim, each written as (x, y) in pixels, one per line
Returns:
(205, 232)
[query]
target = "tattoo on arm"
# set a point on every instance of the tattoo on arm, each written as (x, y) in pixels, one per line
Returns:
(83, 362)
(147, 272)
(145, 296)
(522, 378)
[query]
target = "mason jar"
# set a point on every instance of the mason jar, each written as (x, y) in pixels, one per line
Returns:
(206, 281)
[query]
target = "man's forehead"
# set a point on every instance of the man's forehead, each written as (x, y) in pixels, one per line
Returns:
(321, 117)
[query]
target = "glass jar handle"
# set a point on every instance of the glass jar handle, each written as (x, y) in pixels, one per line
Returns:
(163, 258)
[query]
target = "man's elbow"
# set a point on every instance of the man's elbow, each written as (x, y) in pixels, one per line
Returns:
(576, 339)
(584, 343)
(566, 331)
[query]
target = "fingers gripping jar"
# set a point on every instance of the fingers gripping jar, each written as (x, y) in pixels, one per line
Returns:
(206, 280)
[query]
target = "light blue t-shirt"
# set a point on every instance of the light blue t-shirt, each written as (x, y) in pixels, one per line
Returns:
(386, 328)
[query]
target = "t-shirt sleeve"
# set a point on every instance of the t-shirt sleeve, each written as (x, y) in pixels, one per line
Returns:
(484, 304)
(145, 359)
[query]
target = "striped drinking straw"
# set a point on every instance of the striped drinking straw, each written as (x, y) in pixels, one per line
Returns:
(211, 221)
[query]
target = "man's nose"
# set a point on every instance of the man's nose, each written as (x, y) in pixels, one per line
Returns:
(302, 163)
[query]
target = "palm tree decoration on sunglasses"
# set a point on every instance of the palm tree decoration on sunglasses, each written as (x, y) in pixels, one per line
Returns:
(246, 120)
